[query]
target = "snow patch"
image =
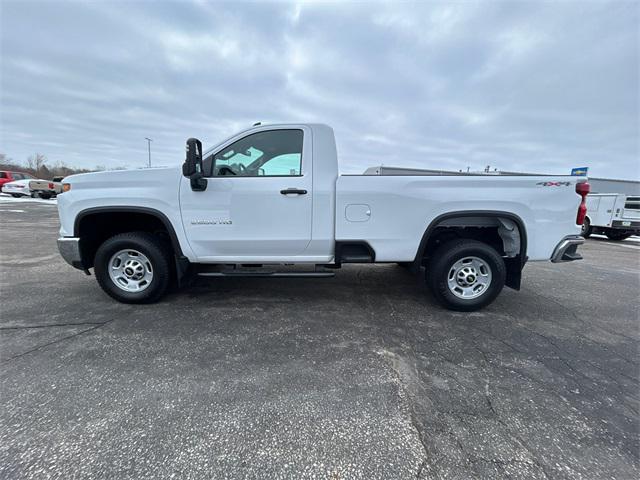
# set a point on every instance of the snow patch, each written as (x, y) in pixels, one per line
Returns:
(5, 198)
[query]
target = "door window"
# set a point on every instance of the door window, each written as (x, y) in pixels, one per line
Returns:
(272, 153)
(288, 164)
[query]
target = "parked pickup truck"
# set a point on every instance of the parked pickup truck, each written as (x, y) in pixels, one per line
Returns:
(46, 188)
(271, 196)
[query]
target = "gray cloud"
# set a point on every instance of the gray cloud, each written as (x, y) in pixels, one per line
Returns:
(516, 85)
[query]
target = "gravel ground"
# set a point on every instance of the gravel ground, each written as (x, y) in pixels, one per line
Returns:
(360, 376)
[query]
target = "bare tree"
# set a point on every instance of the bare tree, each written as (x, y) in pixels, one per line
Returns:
(61, 169)
(36, 163)
(6, 162)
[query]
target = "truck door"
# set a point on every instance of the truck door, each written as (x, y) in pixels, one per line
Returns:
(258, 201)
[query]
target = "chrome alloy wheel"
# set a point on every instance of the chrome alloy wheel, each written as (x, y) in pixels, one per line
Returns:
(469, 278)
(130, 270)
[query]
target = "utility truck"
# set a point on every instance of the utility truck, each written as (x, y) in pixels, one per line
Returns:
(269, 202)
(612, 214)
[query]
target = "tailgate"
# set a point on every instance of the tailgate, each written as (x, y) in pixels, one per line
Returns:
(42, 185)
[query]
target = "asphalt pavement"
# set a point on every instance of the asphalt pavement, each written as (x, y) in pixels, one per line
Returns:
(361, 376)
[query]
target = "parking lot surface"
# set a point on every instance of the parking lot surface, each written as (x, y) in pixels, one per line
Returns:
(360, 376)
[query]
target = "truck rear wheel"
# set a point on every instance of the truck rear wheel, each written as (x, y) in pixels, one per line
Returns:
(465, 275)
(586, 230)
(133, 267)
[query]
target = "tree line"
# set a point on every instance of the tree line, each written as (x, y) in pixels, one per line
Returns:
(38, 165)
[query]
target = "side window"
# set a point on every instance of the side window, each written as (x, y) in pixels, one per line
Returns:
(287, 164)
(632, 203)
(238, 162)
(269, 153)
(17, 176)
(3, 175)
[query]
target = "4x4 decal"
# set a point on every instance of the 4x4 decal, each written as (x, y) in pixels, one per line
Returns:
(554, 184)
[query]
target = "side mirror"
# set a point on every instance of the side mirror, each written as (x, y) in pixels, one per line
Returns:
(193, 162)
(192, 166)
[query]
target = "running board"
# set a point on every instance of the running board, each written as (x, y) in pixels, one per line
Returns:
(269, 274)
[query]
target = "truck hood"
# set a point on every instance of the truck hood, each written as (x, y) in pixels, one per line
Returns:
(125, 178)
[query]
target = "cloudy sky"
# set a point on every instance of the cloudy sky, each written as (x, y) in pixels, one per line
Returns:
(524, 86)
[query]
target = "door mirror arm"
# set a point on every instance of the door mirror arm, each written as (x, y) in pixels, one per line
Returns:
(192, 166)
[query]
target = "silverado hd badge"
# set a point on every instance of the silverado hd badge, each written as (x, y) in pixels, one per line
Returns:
(211, 222)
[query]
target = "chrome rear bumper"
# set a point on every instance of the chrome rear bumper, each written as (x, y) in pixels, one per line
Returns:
(566, 250)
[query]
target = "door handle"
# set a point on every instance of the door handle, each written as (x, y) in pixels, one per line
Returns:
(292, 191)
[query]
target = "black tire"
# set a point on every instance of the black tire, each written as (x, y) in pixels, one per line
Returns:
(16, 195)
(616, 236)
(442, 262)
(45, 196)
(587, 229)
(158, 254)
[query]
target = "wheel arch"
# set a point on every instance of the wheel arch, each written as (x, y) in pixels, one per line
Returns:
(82, 215)
(150, 218)
(514, 264)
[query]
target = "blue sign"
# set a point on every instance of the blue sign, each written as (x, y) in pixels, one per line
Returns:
(579, 171)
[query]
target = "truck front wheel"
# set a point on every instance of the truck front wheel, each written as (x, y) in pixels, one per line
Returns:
(133, 267)
(465, 275)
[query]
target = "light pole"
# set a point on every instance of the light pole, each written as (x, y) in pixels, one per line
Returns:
(149, 145)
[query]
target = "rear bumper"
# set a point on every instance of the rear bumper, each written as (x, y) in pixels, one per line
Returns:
(629, 226)
(69, 248)
(567, 249)
(17, 191)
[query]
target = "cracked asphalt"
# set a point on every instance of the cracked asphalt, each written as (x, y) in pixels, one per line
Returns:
(360, 376)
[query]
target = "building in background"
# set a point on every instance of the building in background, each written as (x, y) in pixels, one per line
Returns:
(609, 185)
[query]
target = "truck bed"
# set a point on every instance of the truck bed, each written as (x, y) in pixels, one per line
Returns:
(401, 207)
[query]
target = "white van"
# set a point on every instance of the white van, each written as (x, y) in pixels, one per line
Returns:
(615, 215)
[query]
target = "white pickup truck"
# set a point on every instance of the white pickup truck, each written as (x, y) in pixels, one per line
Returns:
(271, 197)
